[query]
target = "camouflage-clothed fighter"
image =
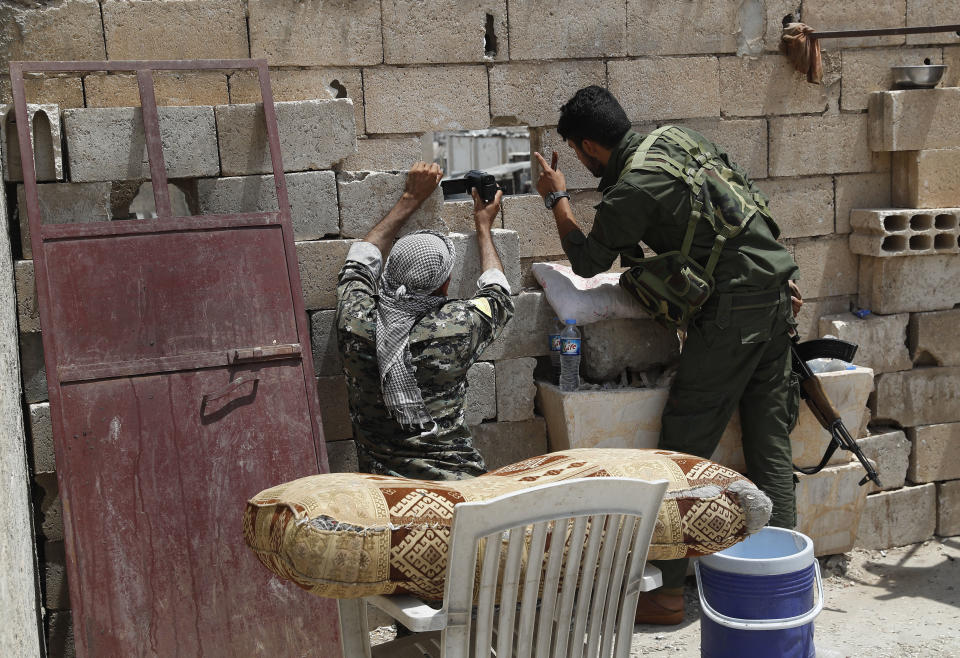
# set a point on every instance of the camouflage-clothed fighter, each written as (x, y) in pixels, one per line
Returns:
(443, 344)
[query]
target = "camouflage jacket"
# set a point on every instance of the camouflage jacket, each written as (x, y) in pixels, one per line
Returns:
(654, 207)
(444, 344)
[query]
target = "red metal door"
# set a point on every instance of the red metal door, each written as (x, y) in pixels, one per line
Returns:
(178, 361)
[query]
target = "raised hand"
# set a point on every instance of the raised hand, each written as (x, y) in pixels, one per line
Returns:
(484, 214)
(422, 180)
(551, 179)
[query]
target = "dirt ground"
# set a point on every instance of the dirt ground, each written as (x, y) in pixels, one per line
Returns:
(898, 603)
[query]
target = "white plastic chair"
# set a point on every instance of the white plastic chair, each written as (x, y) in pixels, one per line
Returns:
(541, 610)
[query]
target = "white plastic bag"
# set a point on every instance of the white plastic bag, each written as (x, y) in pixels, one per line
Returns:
(586, 300)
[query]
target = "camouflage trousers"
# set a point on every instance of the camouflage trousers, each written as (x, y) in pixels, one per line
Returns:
(737, 356)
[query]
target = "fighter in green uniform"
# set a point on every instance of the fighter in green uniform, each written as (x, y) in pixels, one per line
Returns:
(677, 196)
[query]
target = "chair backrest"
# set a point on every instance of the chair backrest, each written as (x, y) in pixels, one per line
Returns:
(571, 554)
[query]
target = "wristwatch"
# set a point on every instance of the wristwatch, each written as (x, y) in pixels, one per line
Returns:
(551, 199)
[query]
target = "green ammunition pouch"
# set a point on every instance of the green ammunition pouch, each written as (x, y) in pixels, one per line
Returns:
(673, 286)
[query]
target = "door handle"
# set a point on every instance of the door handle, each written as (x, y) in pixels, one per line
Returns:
(264, 352)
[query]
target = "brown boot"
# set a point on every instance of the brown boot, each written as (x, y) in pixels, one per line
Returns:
(662, 607)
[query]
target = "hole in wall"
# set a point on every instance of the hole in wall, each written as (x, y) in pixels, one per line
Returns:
(501, 152)
(44, 160)
(926, 60)
(142, 206)
(338, 89)
(489, 38)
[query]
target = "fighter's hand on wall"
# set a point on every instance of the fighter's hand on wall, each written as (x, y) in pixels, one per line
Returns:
(422, 180)
(551, 179)
(484, 214)
(796, 299)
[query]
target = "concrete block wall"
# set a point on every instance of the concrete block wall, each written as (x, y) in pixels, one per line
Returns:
(368, 80)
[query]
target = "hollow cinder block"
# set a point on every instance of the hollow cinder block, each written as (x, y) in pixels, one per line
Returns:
(45, 136)
(905, 232)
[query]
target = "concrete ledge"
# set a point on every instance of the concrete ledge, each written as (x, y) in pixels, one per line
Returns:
(914, 119)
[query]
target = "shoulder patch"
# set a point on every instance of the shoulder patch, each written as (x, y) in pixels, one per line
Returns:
(482, 304)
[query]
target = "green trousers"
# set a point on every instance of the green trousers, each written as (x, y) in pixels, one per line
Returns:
(737, 355)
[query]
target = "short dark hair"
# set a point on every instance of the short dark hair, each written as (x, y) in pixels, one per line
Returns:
(593, 113)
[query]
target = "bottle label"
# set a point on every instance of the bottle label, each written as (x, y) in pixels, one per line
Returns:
(570, 346)
(554, 342)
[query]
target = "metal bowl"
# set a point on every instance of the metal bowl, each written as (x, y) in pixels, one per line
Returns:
(925, 76)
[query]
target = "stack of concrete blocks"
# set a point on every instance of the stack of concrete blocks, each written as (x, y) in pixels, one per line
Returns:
(908, 278)
(412, 68)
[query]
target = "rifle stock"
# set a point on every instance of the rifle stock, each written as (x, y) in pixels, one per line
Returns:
(812, 392)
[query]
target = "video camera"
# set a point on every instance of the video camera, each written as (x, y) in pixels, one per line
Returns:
(485, 183)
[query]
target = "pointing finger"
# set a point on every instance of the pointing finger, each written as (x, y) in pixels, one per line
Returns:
(543, 163)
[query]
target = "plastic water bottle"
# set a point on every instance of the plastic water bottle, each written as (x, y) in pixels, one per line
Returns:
(570, 356)
(554, 339)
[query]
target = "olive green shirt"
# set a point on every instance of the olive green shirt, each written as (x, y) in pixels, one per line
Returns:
(654, 207)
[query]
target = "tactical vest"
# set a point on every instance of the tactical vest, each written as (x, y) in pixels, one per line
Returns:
(672, 286)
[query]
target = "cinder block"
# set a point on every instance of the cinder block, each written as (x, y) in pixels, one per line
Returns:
(808, 321)
(49, 506)
(366, 197)
(933, 12)
(531, 93)
(515, 389)
(933, 338)
(935, 454)
(41, 438)
(890, 452)
(822, 144)
(64, 203)
(334, 408)
(882, 339)
(480, 402)
(320, 262)
(911, 283)
(45, 136)
(28, 312)
(765, 85)
(303, 85)
(614, 418)
(64, 90)
(895, 232)
(611, 346)
(38, 32)
(948, 508)
(315, 32)
(897, 518)
(829, 506)
(384, 154)
(856, 15)
(56, 591)
(342, 456)
(314, 134)
(466, 271)
(827, 267)
(802, 207)
(559, 29)
(847, 389)
(866, 71)
(546, 141)
(177, 29)
(914, 119)
(502, 444)
(859, 191)
(457, 216)
(327, 361)
(745, 140)
(312, 196)
(169, 87)
(666, 87)
(926, 179)
(444, 31)
(418, 99)
(922, 396)
(534, 225)
(108, 143)
(60, 635)
(682, 28)
(32, 369)
(526, 333)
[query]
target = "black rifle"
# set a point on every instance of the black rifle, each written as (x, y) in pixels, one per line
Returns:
(826, 414)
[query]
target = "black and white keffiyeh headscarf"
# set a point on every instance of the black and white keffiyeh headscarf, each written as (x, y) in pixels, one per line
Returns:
(418, 264)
